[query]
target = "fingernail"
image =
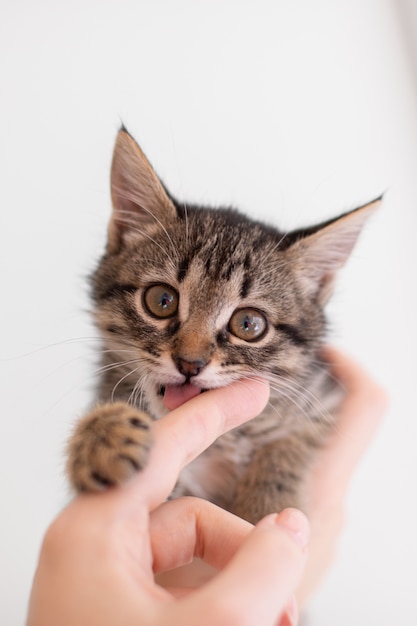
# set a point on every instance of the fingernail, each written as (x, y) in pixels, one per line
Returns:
(296, 524)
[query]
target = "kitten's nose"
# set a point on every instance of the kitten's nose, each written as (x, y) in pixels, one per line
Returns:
(189, 368)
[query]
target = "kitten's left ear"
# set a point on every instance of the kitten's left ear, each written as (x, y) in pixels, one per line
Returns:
(318, 253)
(139, 199)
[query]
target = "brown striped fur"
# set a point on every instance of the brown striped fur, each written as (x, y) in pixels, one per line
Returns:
(216, 261)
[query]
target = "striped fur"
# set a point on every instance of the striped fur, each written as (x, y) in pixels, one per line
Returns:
(215, 262)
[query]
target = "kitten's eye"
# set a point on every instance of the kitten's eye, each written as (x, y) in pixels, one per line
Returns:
(161, 301)
(248, 324)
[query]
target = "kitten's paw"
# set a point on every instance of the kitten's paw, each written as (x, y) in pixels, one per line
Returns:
(108, 445)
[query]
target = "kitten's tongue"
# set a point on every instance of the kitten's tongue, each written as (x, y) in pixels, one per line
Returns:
(175, 395)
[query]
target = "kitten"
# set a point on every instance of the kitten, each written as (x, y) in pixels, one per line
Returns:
(190, 298)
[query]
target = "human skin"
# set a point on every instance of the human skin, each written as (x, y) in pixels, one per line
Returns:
(99, 557)
(357, 422)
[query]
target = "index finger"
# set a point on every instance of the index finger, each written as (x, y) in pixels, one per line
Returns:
(187, 431)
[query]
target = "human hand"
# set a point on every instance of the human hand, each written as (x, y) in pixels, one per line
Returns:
(357, 422)
(98, 559)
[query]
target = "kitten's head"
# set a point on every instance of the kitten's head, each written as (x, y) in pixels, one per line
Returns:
(193, 298)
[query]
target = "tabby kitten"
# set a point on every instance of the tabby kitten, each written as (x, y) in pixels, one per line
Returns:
(190, 298)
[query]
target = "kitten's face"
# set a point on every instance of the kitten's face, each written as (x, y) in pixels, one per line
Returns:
(205, 301)
(194, 298)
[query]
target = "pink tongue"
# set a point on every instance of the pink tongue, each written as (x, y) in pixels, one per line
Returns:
(177, 395)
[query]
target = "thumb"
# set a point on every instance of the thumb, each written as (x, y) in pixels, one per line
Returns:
(258, 583)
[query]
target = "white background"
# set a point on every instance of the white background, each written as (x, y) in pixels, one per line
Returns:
(293, 111)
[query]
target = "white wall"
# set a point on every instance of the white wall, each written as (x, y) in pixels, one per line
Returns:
(291, 110)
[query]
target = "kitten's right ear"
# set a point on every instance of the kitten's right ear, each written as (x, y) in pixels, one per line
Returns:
(138, 196)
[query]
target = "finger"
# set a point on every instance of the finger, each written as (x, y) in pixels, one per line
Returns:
(185, 432)
(358, 419)
(357, 422)
(361, 388)
(258, 583)
(179, 437)
(201, 530)
(290, 616)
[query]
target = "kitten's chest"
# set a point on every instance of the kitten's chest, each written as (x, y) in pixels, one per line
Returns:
(214, 474)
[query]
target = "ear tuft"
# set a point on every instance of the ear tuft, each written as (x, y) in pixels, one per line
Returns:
(138, 196)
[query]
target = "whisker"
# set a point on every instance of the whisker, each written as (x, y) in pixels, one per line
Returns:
(322, 366)
(184, 204)
(295, 393)
(134, 222)
(275, 247)
(50, 346)
(313, 401)
(137, 390)
(120, 382)
(270, 404)
(131, 222)
(111, 366)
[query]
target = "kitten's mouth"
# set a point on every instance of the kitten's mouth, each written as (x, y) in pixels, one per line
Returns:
(175, 395)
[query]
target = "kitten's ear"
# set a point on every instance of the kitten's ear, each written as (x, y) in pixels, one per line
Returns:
(318, 253)
(138, 196)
